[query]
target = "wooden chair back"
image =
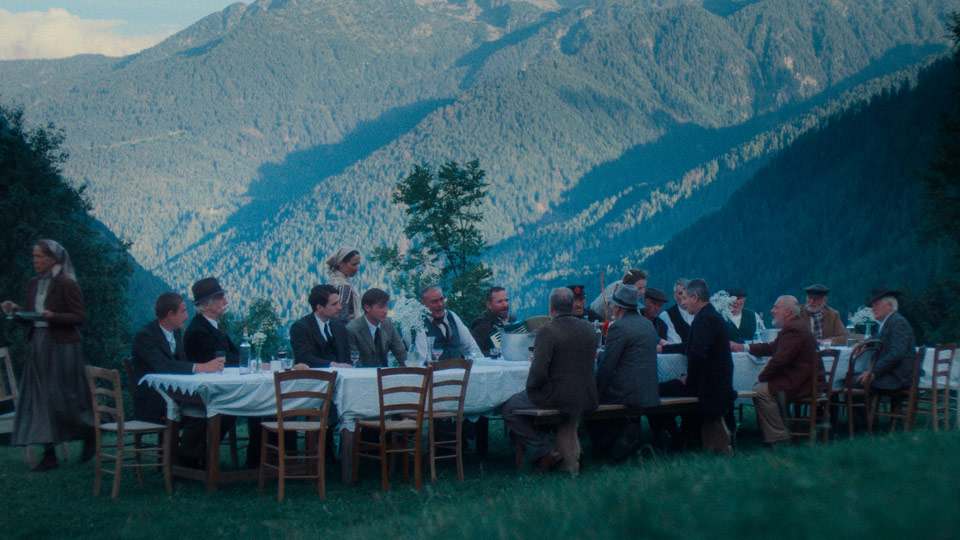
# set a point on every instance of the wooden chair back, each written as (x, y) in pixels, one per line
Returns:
(107, 398)
(398, 396)
(829, 374)
(869, 347)
(287, 390)
(8, 381)
(942, 365)
(448, 390)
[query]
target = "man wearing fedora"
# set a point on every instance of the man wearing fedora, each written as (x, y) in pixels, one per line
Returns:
(894, 366)
(580, 309)
(742, 324)
(653, 301)
(823, 320)
(626, 373)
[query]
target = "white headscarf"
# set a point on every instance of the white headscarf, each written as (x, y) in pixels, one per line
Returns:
(63, 263)
(333, 261)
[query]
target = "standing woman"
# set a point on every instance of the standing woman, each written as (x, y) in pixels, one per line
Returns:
(55, 404)
(342, 266)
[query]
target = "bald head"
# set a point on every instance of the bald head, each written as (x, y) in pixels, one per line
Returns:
(785, 309)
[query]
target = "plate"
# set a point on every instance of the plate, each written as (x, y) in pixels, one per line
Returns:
(30, 315)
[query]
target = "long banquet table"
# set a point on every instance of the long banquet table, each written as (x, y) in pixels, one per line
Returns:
(492, 382)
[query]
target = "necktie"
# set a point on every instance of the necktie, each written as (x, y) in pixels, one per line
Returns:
(378, 344)
(326, 331)
(442, 325)
(173, 345)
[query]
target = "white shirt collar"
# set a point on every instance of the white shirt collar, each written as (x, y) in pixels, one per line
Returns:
(211, 321)
(371, 326)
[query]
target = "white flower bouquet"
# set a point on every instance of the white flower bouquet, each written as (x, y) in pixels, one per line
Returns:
(723, 303)
(863, 316)
(409, 315)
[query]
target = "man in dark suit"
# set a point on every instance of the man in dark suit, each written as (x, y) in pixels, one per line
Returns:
(627, 373)
(709, 372)
(653, 300)
(158, 348)
(894, 367)
(561, 377)
(787, 375)
(372, 335)
(496, 317)
(320, 340)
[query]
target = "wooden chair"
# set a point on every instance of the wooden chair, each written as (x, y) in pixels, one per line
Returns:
(896, 409)
(108, 417)
(10, 393)
(403, 393)
(935, 399)
(447, 390)
(294, 415)
(848, 396)
(813, 412)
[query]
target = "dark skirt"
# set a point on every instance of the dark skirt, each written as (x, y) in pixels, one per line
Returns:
(55, 403)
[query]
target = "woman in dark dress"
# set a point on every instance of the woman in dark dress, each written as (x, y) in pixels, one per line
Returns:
(55, 404)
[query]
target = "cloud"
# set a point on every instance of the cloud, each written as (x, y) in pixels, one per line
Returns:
(58, 34)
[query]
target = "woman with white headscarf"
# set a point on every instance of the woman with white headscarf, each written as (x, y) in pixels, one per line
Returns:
(343, 265)
(55, 404)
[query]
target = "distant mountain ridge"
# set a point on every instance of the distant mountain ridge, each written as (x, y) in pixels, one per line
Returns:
(253, 143)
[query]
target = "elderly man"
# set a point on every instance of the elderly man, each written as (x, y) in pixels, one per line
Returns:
(709, 372)
(627, 373)
(580, 309)
(677, 318)
(158, 348)
(374, 334)
(445, 327)
(319, 339)
(787, 375)
(894, 366)
(561, 377)
(633, 276)
(496, 317)
(653, 300)
(823, 320)
(742, 324)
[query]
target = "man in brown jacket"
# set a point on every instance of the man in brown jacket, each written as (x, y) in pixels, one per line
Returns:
(821, 319)
(561, 377)
(787, 374)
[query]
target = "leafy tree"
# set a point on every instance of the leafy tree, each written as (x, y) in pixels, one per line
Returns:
(444, 232)
(37, 202)
(261, 316)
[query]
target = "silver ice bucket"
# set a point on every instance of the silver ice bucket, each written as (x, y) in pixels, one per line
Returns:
(516, 346)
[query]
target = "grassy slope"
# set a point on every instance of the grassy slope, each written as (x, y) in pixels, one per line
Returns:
(880, 487)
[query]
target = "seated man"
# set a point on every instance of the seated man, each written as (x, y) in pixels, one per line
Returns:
(633, 276)
(787, 375)
(823, 320)
(626, 373)
(561, 377)
(373, 334)
(653, 301)
(496, 317)
(319, 339)
(158, 348)
(677, 318)
(894, 366)
(742, 325)
(580, 309)
(448, 331)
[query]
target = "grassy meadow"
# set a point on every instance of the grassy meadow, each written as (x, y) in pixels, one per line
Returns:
(882, 486)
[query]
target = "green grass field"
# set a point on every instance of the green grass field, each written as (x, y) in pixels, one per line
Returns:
(882, 486)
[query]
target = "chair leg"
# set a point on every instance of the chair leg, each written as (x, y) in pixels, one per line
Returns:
(358, 432)
(98, 464)
(321, 446)
(417, 461)
(137, 445)
(165, 456)
(263, 461)
(432, 448)
(460, 449)
(281, 461)
(383, 460)
(849, 400)
(118, 466)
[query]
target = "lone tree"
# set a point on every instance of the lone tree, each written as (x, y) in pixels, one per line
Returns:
(445, 240)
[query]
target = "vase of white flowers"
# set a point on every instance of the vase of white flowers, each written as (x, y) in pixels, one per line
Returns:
(409, 316)
(257, 340)
(723, 303)
(863, 317)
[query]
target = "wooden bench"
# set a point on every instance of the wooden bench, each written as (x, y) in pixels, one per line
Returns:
(567, 442)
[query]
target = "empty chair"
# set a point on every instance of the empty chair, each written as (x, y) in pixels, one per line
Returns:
(108, 417)
(403, 393)
(934, 400)
(303, 404)
(848, 396)
(898, 398)
(445, 403)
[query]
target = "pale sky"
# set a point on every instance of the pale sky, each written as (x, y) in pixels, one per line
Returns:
(61, 28)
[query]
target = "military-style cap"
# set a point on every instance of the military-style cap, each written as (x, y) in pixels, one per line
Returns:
(817, 289)
(578, 291)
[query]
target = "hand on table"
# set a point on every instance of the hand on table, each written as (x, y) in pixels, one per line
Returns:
(300, 367)
(737, 347)
(213, 366)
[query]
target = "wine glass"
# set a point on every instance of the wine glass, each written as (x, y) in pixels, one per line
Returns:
(437, 352)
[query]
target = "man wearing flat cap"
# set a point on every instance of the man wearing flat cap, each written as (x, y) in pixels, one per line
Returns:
(580, 309)
(742, 324)
(653, 301)
(894, 366)
(626, 373)
(823, 320)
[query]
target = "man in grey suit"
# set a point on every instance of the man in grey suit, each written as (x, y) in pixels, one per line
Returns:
(374, 334)
(895, 364)
(627, 373)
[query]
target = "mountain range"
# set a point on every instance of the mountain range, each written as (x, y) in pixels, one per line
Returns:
(260, 139)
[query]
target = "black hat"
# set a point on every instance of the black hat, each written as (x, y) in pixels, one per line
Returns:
(626, 296)
(578, 291)
(879, 292)
(737, 292)
(656, 294)
(205, 289)
(817, 289)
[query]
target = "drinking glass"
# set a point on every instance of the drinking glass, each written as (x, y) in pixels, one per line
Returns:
(437, 352)
(220, 354)
(354, 357)
(286, 363)
(494, 352)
